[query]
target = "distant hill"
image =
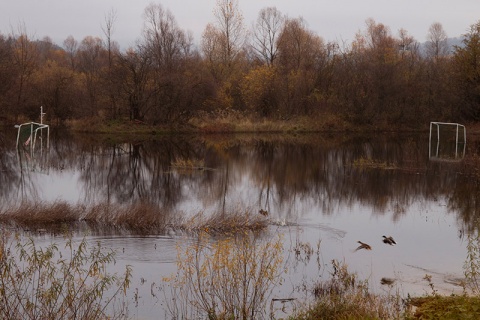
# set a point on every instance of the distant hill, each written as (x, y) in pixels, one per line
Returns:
(455, 42)
(452, 43)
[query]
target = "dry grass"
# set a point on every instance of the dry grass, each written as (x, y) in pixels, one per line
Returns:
(236, 121)
(40, 212)
(138, 217)
(344, 296)
(188, 166)
(228, 222)
(368, 163)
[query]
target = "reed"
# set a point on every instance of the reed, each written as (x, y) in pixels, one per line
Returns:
(226, 222)
(41, 212)
(139, 217)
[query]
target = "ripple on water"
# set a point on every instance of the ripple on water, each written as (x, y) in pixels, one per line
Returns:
(150, 249)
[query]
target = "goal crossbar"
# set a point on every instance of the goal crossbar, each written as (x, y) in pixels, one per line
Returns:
(458, 127)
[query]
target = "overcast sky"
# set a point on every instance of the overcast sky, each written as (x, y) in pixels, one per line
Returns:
(332, 19)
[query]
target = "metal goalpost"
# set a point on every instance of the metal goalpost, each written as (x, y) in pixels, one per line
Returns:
(458, 128)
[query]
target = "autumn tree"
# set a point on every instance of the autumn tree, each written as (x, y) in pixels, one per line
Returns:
(56, 90)
(91, 61)
(211, 48)
(223, 46)
(467, 74)
(372, 88)
(258, 90)
(6, 70)
(410, 79)
(229, 21)
(437, 73)
(170, 49)
(299, 53)
(25, 61)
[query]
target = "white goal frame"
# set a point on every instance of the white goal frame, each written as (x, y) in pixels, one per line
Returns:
(458, 127)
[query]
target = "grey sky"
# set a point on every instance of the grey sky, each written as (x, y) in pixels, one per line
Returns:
(332, 20)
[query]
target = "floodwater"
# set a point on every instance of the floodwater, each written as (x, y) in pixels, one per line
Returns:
(322, 191)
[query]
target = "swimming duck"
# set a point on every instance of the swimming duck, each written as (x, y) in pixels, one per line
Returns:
(363, 246)
(387, 281)
(389, 240)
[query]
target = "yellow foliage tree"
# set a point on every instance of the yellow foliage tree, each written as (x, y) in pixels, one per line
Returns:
(257, 89)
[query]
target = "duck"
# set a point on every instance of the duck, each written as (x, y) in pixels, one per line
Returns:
(389, 240)
(363, 246)
(387, 281)
(263, 212)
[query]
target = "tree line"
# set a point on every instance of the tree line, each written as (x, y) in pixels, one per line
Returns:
(277, 69)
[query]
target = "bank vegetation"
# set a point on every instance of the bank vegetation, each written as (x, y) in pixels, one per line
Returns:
(276, 75)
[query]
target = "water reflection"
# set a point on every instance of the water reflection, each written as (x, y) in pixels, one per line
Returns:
(283, 175)
(316, 188)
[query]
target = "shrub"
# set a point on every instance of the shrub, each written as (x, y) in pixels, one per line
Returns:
(51, 283)
(230, 278)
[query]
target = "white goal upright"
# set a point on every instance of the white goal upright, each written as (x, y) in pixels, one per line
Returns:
(453, 138)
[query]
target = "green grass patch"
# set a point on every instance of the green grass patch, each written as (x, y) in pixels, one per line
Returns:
(445, 307)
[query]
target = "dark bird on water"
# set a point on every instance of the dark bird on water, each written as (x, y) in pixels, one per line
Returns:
(263, 212)
(363, 246)
(389, 240)
(387, 281)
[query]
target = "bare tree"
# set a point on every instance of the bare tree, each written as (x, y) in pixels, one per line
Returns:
(134, 79)
(406, 42)
(267, 29)
(437, 45)
(108, 29)
(71, 47)
(111, 82)
(231, 28)
(166, 42)
(169, 48)
(91, 57)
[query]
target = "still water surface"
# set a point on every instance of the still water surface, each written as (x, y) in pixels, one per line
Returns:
(325, 190)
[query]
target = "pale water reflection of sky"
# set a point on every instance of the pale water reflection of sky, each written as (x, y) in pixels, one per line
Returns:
(427, 232)
(427, 236)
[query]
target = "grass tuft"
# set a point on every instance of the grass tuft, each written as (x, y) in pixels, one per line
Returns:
(346, 297)
(229, 222)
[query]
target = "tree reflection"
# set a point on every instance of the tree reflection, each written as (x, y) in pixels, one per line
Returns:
(281, 174)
